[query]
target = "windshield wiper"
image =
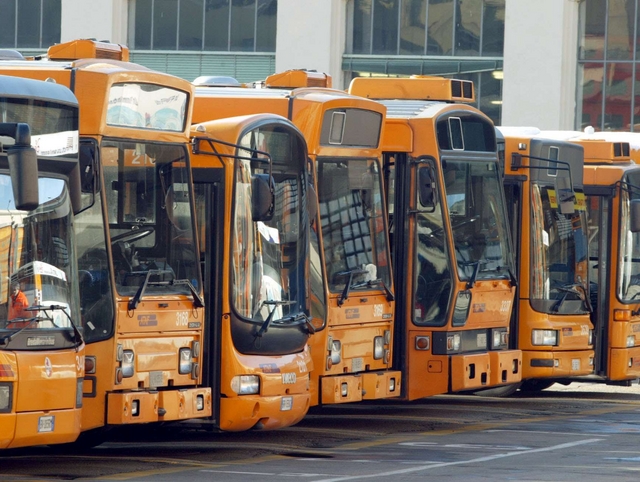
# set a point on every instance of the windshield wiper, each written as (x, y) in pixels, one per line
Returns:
(135, 300)
(472, 281)
(62, 308)
(29, 321)
(574, 289)
(378, 282)
(512, 276)
(275, 303)
(349, 273)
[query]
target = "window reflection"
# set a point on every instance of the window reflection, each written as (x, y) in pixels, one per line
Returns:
(412, 26)
(440, 27)
(385, 27)
(468, 25)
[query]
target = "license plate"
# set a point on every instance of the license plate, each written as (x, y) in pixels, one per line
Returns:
(155, 379)
(575, 364)
(46, 424)
(357, 364)
(286, 404)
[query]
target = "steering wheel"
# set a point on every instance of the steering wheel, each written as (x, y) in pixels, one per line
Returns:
(132, 235)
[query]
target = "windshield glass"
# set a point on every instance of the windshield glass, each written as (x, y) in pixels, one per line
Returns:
(559, 278)
(38, 256)
(433, 278)
(268, 257)
(477, 212)
(149, 199)
(629, 260)
(352, 220)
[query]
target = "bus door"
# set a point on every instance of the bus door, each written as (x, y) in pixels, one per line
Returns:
(599, 203)
(513, 191)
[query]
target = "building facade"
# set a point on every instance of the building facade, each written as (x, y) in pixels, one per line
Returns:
(554, 64)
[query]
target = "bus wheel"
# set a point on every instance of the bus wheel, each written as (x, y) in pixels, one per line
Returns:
(498, 392)
(534, 386)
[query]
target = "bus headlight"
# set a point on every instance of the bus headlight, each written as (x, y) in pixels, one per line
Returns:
(185, 361)
(378, 347)
(499, 338)
(245, 384)
(336, 352)
(631, 341)
(453, 342)
(544, 337)
(6, 397)
(128, 363)
(79, 393)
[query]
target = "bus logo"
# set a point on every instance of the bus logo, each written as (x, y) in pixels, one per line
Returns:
(288, 378)
(567, 331)
(147, 320)
(352, 313)
(48, 368)
(479, 307)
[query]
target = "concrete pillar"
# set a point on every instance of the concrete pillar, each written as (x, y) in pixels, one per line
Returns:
(99, 19)
(311, 35)
(540, 63)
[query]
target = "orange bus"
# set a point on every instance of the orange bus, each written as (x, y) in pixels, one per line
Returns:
(140, 282)
(612, 189)
(452, 254)
(252, 199)
(352, 297)
(41, 347)
(544, 188)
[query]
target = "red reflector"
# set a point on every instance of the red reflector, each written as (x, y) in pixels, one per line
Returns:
(6, 371)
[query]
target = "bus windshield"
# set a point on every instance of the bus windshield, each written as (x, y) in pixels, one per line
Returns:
(478, 219)
(559, 279)
(268, 256)
(37, 250)
(150, 218)
(628, 289)
(352, 220)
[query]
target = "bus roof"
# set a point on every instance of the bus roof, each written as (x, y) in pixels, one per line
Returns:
(17, 87)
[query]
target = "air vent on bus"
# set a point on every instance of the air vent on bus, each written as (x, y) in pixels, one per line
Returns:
(621, 149)
(292, 79)
(88, 49)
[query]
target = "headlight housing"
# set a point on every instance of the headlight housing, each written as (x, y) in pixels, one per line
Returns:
(185, 363)
(128, 363)
(544, 337)
(6, 397)
(245, 384)
(631, 341)
(378, 347)
(499, 338)
(453, 342)
(336, 352)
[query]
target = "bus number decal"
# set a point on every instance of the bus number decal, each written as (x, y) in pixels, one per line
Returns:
(584, 330)
(182, 318)
(377, 310)
(505, 306)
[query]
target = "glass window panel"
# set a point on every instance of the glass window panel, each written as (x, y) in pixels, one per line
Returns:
(266, 27)
(440, 27)
(190, 36)
(362, 27)
(142, 25)
(591, 41)
(413, 27)
(490, 89)
(493, 28)
(165, 24)
(617, 106)
(636, 103)
(243, 16)
(385, 27)
(51, 13)
(589, 105)
(620, 29)
(216, 25)
(468, 26)
(29, 23)
(8, 23)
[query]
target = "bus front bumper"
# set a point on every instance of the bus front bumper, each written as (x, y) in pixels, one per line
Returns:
(557, 364)
(625, 363)
(263, 413)
(39, 428)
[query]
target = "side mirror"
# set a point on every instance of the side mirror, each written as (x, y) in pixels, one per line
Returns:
(634, 215)
(23, 166)
(426, 187)
(262, 197)
(88, 175)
